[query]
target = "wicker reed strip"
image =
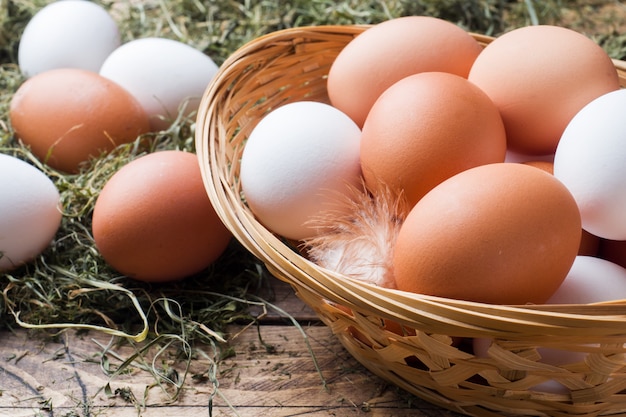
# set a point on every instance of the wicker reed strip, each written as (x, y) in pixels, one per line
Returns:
(421, 353)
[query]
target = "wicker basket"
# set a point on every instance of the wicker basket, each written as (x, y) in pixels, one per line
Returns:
(420, 353)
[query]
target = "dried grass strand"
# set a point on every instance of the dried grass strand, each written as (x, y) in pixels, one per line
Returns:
(291, 65)
(97, 286)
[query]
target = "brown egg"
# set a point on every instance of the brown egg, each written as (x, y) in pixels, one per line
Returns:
(426, 128)
(540, 77)
(589, 243)
(392, 50)
(68, 115)
(501, 233)
(547, 166)
(613, 250)
(153, 220)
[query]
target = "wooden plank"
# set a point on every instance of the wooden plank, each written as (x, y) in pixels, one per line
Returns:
(64, 377)
(270, 371)
(288, 306)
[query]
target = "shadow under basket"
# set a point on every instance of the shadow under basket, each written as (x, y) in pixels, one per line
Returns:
(419, 343)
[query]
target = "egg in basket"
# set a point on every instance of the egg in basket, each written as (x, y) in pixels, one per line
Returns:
(457, 266)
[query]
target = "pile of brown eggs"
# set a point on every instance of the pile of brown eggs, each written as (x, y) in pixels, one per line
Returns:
(480, 147)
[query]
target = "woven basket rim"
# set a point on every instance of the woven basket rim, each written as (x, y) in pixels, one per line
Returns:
(600, 321)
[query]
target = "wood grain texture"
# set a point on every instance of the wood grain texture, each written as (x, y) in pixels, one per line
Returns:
(277, 378)
(275, 369)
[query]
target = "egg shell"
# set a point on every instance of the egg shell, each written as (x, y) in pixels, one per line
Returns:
(426, 128)
(167, 77)
(30, 212)
(555, 357)
(392, 50)
(68, 115)
(547, 166)
(153, 220)
(512, 156)
(590, 280)
(67, 34)
(590, 162)
(589, 243)
(540, 77)
(613, 250)
(500, 233)
(297, 161)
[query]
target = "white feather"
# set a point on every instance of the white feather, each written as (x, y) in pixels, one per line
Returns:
(359, 244)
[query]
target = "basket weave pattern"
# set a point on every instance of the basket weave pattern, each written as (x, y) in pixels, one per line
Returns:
(410, 340)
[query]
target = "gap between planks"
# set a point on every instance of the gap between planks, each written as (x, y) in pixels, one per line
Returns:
(276, 378)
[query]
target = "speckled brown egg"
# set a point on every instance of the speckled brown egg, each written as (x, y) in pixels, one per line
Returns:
(154, 222)
(500, 233)
(66, 116)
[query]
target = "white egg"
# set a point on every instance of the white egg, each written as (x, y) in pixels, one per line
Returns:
(30, 214)
(67, 34)
(590, 280)
(296, 162)
(163, 75)
(548, 356)
(589, 160)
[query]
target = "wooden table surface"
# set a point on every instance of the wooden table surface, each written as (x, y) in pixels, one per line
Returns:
(269, 371)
